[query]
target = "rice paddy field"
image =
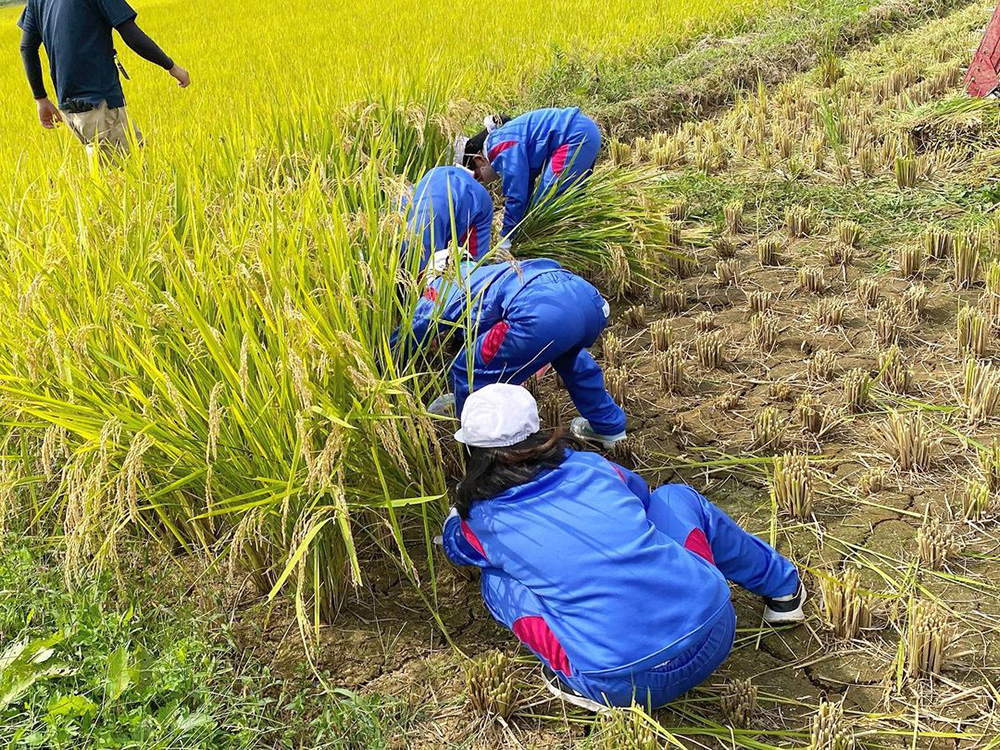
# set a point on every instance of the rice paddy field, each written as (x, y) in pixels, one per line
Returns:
(218, 490)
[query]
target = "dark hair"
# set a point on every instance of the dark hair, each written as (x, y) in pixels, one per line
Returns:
(476, 143)
(491, 471)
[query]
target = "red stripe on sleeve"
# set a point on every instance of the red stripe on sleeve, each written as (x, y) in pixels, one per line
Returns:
(500, 148)
(697, 542)
(493, 340)
(471, 538)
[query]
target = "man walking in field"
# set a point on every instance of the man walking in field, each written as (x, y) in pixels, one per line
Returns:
(77, 35)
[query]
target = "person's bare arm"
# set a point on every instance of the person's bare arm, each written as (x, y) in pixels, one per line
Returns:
(140, 43)
(48, 114)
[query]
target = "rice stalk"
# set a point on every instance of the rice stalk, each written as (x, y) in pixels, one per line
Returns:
(792, 483)
(846, 610)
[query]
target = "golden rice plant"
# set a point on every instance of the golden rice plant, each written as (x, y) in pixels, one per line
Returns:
(672, 298)
(966, 262)
(906, 172)
(846, 609)
(914, 301)
(491, 686)
(734, 217)
(981, 390)
(550, 411)
(616, 380)
(635, 316)
(893, 371)
(938, 243)
(872, 482)
(973, 331)
(927, 639)
(823, 365)
(620, 153)
(869, 292)
(830, 730)
(631, 728)
(711, 349)
(678, 209)
(738, 702)
(910, 261)
(768, 431)
(907, 439)
(992, 296)
(935, 543)
(760, 301)
(670, 367)
(792, 485)
(725, 248)
(764, 331)
(662, 334)
(976, 500)
(799, 221)
(704, 322)
(830, 312)
(811, 280)
(727, 272)
(989, 465)
(811, 414)
(613, 349)
(839, 254)
(768, 251)
(888, 325)
(633, 450)
(868, 161)
(857, 390)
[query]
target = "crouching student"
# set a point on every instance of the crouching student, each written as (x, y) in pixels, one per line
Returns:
(536, 155)
(619, 591)
(511, 320)
(447, 206)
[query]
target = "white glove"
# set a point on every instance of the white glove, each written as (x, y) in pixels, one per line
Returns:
(443, 406)
(504, 245)
(439, 540)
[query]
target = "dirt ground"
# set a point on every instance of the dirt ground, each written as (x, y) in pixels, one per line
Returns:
(706, 432)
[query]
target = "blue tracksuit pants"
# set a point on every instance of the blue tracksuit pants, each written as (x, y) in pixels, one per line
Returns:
(572, 162)
(552, 320)
(675, 510)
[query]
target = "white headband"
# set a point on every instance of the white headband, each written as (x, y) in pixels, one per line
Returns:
(460, 144)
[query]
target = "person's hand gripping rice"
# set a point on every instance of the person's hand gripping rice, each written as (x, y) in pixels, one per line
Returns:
(535, 156)
(621, 592)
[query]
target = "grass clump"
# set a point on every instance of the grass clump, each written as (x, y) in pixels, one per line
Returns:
(764, 331)
(927, 638)
(973, 331)
(626, 728)
(830, 730)
(857, 389)
(769, 251)
(893, 371)
(981, 390)
(711, 350)
(491, 687)
(760, 301)
(768, 431)
(846, 610)
(672, 299)
(908, 441)
(662, 335)
(823, 365)
(727, 272)
(935, 543)
(739, 702)
(812, 280)
(670, 367)
(868, 292)
(811, 415)
(613, 349)
(792, 485)
(938, 243)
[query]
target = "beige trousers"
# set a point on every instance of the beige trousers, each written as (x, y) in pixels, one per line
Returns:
(106, 129)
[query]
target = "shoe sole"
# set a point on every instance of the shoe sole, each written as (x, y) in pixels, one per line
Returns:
(794, 617)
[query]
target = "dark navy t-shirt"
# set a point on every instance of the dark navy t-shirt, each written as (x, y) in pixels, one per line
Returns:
(78, 43)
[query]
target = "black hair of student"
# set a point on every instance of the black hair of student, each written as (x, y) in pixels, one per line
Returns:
(477, 142)
(491, 471)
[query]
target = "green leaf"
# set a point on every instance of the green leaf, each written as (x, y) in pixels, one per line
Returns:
(72, 705)
(119, 673)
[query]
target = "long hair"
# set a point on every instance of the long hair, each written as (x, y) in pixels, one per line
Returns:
(474, 146)
(491, 471)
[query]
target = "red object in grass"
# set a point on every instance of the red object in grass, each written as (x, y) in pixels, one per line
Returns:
(981, 80)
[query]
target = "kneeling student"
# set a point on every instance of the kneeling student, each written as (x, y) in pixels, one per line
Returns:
(621, 592)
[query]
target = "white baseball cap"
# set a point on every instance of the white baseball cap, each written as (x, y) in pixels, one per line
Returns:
(497, 416)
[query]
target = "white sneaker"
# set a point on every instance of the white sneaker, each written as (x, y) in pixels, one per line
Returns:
(581, 429)
(785, 610)
(565, 693)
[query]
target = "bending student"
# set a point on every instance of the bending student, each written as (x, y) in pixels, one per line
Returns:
(536, 155)
(621, 592)
(447, 206)
(513, 319)
(82, 61)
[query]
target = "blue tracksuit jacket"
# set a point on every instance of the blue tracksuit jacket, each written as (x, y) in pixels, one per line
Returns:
(448, 204)
(515, 319)
(539, 154)
(619, 590)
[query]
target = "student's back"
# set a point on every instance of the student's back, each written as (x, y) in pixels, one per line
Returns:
(617, 589)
